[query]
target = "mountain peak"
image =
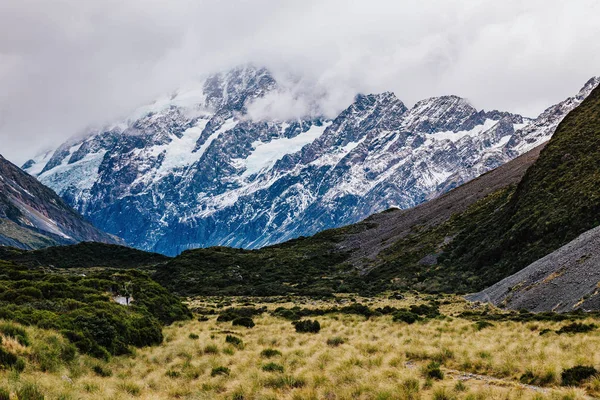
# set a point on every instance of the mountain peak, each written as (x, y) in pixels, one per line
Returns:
(590, 85)
(234, 87)
(443, 113)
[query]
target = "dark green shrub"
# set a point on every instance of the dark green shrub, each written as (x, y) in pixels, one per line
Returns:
(480, 325)
(101, 371)
(211, 349)
(405, 316)
(433, 371)
(269, 353)
(545, 331)
(576, 327)
(9, 360)
(272, 367)
(243, 321)
(231, 314)
(130, 388)
(235, 341)
(428, 311)
(307, 326)
(576, 375)
(193, 336)
(203, 318)
(220, 371)
(335, 341)
(29, 391)
(81, 310)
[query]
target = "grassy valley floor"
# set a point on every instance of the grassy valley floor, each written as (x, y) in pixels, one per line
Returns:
(455, 350)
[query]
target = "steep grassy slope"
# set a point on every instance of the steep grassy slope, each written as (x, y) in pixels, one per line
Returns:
(558, 199)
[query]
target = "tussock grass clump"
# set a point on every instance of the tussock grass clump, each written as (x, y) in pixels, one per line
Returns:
(336, 341)
(285, 382)
(131, 388)
(272, 367)
(216, 371)
(443, 393)
(102, 371)
(410, 389)
(9, 360)
(4, 394)
(235, 341)
(53, 352)
(270, 353)
(173, 373)
(578, 374)
(29, 391)
(16, 332)
(211, 349)
(433, 371)
(460, 387)
(307, 326)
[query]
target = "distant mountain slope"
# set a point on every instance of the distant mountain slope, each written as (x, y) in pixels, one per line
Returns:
(193, 170)
(564, 280)
(83, 255)
(352, 258)
(33, 216)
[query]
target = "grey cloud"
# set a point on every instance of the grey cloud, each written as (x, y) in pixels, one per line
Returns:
(69, 64)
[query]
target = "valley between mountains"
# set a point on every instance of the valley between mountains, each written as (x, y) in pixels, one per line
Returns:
(437, 252)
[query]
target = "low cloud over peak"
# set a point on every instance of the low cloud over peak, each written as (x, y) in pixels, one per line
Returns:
(67, 64)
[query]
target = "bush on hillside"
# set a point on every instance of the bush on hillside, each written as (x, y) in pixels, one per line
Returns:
(307, 326)
(576, 375)
(82, 309)
(243, 321)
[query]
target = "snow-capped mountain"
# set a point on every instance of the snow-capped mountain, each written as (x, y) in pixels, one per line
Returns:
(193, 170)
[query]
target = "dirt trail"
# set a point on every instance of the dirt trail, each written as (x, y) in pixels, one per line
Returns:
(490, 380)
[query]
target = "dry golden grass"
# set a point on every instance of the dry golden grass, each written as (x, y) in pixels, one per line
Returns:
(378, 359)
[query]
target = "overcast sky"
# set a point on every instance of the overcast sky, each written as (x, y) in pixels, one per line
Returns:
(69, 64)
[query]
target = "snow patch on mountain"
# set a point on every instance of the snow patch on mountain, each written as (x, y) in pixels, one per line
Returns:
(265, 155)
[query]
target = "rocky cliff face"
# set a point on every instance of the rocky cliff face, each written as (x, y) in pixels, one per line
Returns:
(193, 170)
(33, 216)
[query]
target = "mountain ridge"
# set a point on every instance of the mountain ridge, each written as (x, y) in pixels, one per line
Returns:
(193, 171)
